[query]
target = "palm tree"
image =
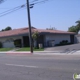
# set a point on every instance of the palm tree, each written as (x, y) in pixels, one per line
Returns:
(1, 1)
(78, 25)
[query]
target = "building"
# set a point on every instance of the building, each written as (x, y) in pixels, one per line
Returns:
(77, 38)
(46, 37)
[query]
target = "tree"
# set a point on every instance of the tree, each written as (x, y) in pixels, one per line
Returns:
(2, 30)
(35, 37)
(78, 24)
(7, 29)
(1, 1)
(73, 29)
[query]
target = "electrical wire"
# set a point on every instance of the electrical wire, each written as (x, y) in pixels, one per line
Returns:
(11, 11)
(40, 1)
(19, 7)
(8, 13)
(13, 8)
(34, 1)
(1, 1)
(23, 5)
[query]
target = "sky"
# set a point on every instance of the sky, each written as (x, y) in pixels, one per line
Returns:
(60, 14)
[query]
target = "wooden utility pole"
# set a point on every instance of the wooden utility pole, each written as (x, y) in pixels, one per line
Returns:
(29, 24)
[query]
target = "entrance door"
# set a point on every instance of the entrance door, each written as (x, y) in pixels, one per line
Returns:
(72, 38)
(40, 40)
(26, 41)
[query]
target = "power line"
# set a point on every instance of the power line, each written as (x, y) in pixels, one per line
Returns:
(40, 2)
(25, 4)
(11, 11)
(18, 6)
(8, 13)
(33, 1)
(21, 6)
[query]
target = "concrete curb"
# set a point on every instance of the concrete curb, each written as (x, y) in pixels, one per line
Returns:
(38, 53)
(16, 53)
(19, 54)
(30, 52)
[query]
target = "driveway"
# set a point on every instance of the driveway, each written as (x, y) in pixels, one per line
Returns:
(73, 47)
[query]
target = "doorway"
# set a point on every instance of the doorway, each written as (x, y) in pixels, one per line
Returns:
(26, 41)
(72, 38)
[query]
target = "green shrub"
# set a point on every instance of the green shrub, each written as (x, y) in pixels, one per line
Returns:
(57, 44)
(62, 43)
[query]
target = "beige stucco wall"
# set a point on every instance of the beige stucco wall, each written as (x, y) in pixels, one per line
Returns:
(57, 38)
(8, 41)
(77, 39)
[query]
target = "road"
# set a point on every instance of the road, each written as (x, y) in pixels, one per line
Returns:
(39, 67)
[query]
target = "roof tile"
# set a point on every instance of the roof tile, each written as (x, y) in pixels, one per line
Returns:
(26, 30)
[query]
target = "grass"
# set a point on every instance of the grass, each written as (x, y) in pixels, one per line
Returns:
(5, 49)
(28, 49)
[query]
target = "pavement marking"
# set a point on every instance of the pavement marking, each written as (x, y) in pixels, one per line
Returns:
(22, 65)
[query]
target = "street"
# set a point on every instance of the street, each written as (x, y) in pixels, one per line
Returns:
(39, 67)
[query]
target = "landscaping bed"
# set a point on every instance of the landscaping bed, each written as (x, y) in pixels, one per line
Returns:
(28, 49)
(5, 49)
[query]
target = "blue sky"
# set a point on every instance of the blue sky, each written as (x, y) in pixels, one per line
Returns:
(60, 14)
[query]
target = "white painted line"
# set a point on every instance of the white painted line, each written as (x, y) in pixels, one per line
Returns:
(21, 65)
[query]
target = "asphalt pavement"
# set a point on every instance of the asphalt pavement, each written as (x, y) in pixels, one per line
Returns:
(65, 48)
(39, 67)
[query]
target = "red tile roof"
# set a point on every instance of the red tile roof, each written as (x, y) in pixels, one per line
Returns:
(54, 31)
(26, 30)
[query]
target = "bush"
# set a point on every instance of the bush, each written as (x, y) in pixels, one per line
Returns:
(0, 45)
(62, 43)
(57, 44)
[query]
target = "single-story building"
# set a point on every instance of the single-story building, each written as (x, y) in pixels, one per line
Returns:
(46, 37)
(77, 38)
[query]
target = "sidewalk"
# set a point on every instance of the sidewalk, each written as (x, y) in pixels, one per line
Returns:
(42, 52)
(30, 52)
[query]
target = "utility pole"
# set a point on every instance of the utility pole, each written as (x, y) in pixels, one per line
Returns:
(29, 24)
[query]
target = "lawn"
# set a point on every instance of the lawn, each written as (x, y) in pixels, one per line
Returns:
(5, 49)
(28, 49)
